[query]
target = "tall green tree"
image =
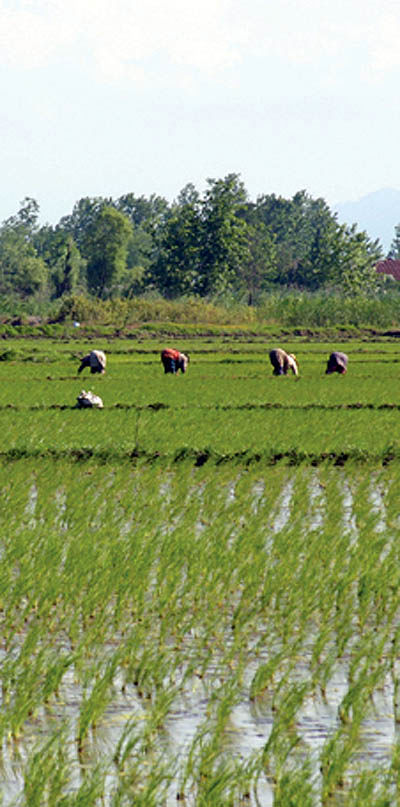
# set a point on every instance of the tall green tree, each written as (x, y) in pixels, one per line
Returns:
(276, 214)
(143, 211)
(315, 234)
(177, 268)
(356, 259)
(224, 244)
(66, 267)
(105, 247)
(22, 270)
(304, 230)
(147, 216)
(312, 249)
(83, 217)
(26, 220)
(258, 269)
(204, 240)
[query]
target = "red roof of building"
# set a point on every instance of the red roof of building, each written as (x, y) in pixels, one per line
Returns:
(389, 267)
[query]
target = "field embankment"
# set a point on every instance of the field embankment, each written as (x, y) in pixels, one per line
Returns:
(323, 316)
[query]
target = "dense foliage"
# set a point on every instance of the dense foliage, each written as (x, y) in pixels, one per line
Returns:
(205, 245)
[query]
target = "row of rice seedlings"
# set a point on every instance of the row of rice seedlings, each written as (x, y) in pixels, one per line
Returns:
(210, 771)
(242, 569)
(51, 777)
(295, 556)
(328, 632)
(210, 384)
(117, 435)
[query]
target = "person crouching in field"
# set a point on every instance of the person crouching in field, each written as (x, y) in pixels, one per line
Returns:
(96, 360)
(173, 360)
(337, 363)
(282, 362)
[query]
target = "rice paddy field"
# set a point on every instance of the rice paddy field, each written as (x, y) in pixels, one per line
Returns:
(199, 583)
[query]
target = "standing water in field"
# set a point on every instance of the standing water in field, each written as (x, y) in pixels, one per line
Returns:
(349, 521)
(317, 502)
(282, 517)
(142, 608)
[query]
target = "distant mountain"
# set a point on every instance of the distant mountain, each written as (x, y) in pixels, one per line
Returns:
(378, 213)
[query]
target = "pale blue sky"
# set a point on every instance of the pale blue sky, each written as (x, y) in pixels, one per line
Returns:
(107, 97)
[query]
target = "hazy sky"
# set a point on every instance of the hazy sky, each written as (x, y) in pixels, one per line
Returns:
(104, 98)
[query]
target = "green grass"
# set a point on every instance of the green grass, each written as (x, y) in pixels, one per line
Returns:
(228, 404)
(221, 630)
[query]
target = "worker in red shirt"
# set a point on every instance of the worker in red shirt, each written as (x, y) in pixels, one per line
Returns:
(173, 360)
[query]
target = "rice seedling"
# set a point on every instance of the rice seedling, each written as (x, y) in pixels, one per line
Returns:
(295, 786)
(95, 703)
(47, 775)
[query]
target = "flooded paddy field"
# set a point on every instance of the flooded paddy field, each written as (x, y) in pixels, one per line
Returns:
(215, 632)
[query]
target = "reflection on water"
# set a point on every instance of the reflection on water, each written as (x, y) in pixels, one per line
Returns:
(283, 515)
(248, 729)
(198, 691)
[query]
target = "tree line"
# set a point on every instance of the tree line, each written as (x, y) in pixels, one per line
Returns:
(202, 244)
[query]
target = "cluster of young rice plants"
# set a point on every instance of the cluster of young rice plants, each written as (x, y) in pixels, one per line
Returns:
(222, 634)
(199, 591)
(201, 433)
(228, 405)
